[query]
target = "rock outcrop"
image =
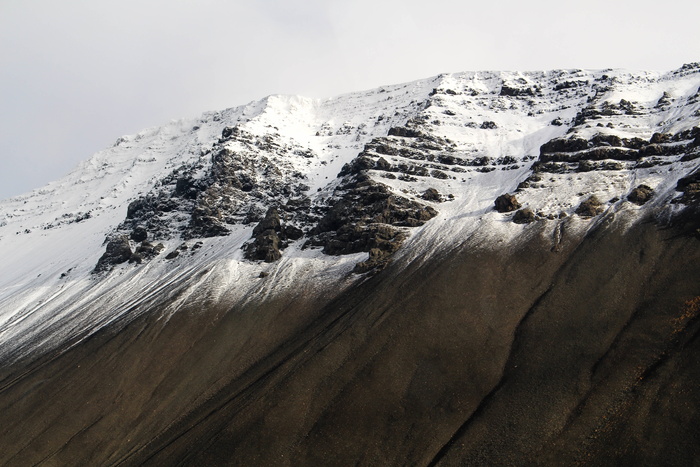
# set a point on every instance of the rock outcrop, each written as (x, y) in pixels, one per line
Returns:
(641, 194)
(591, 207)
(118, 251)
(524, 216)
(507, 203)
(270, 237)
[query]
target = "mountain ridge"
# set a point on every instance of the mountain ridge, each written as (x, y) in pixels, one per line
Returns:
(258, 236)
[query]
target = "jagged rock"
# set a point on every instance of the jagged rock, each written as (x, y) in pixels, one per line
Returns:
(663, 100)
(139, 234)
(514, 92)
(382, 164)
(148, 206)
(205, 222)
(188, 188)
(147, 250)
(641, 194)
(228, 132)
(564, 145)
(489, 125)
(268, 238)
(265, 247)
(357, 165)
(602, 139)
(439, 174)
(634, 143)
(524, 216)
(659, 138)
(118, 251)
(507, 203)
(586, 166)
(404, 132)
(366, 217)
(591, 207)
(136, 258)
(270, 222)
(690, 186)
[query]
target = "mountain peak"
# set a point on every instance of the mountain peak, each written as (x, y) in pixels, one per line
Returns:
(316, 204)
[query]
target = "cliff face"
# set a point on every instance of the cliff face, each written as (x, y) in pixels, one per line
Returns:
(474, 269)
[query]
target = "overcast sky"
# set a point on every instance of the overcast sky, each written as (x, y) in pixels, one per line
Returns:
(76, 75)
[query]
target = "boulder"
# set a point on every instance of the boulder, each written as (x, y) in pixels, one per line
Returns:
(118, 251)
(507, 203)
(172, 255)
(431, 194)
(641, 194)
(591, 207)
(524, 216)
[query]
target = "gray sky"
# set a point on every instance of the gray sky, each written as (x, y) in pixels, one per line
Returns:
(76, 75)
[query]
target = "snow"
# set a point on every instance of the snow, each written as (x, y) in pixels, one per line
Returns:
(49, 246)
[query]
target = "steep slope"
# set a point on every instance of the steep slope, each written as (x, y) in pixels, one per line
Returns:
(476, 268)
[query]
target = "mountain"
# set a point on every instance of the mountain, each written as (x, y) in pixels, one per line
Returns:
(472, 269)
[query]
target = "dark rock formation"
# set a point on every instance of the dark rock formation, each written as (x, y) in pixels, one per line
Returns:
(564, 145)
(146, 251)
(266, 243)
(139, 234)
(431, 194)
(270, 237)
(562, 155)
(515, 92)
(507, 203)
(524, 216)
(641, 194)
(118, 251)
(367, 215)
(591, 207)
(690, 186)
(659, 138)
(404, 132)
(382, 242)
(172, 255)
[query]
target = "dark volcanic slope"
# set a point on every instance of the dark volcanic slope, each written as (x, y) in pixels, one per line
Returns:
(584, 355)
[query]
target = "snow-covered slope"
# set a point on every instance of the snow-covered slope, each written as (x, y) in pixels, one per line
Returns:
(184, 211)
